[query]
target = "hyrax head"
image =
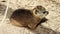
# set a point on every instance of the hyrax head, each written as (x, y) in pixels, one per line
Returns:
(40, 11)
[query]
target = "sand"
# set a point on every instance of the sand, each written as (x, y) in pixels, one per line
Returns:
(51, 26)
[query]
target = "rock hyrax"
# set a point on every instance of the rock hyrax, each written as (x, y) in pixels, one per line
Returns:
(28, 18)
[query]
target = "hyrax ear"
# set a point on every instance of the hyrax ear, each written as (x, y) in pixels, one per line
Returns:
(35, 13)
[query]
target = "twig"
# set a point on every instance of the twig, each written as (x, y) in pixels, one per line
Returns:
(5, 13)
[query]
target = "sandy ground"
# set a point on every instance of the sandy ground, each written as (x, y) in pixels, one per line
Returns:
(52, 26)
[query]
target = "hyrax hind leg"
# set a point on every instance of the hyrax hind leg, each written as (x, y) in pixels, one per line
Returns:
(16, 23)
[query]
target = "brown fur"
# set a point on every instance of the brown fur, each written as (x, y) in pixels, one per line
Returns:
(24, 18)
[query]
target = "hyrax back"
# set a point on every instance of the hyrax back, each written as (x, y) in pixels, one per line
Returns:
(25, 18)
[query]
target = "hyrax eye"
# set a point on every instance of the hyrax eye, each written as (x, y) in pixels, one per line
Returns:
(44, 12)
